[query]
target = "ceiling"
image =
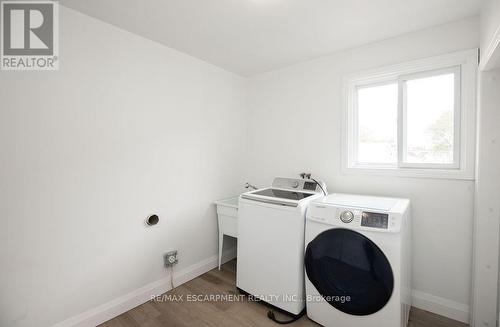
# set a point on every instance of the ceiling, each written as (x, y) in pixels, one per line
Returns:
(249, 37)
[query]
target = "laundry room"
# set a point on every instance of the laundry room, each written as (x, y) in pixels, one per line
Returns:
(249, 163)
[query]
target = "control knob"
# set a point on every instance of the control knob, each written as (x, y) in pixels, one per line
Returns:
(346, 216)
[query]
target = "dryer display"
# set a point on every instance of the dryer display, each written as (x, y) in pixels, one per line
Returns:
(375, 220)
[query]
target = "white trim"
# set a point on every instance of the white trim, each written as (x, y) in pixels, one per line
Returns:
(494, 45)
(100, 314)
(467, 62)
(402, 121)
(441, 306)
(113, 308)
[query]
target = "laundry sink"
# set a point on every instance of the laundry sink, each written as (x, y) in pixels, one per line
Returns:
(227, 218)
(227, 212)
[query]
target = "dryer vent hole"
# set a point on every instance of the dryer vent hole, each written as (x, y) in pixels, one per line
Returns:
(152, 220)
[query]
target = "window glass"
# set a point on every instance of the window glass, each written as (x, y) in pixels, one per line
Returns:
(430, 119)
(377, 124)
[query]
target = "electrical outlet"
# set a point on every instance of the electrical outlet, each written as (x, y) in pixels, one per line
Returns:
(170, 258)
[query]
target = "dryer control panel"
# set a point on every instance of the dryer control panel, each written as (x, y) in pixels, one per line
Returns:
(355, 218)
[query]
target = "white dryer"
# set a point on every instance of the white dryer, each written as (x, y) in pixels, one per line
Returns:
(358, 261)
(271, 225)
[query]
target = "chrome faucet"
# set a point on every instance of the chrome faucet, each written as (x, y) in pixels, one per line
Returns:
(250, 186)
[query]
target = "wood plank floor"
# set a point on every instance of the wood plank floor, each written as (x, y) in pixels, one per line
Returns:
(183, 313)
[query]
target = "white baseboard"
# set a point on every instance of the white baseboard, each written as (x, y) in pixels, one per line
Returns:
(111, 309)
(441, 306)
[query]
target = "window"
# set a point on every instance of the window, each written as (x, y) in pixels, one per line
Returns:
(431, 111)
(377, 132)
(415, 119)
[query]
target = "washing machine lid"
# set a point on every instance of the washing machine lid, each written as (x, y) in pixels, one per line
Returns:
(282, 194)
(277, 196)
(360, 201)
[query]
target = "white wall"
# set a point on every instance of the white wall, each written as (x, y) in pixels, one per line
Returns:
(295, 116)
(490, 31)
(125, 128)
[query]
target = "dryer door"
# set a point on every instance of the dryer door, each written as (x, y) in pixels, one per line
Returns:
(349, 271)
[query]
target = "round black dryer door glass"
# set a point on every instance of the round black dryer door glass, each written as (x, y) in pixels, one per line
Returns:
(349, 271)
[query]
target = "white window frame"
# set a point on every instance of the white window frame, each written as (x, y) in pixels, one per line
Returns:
(464, 66)
(402, 121)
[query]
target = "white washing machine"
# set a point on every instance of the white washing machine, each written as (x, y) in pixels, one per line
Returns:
(358, 261)
(271, 225)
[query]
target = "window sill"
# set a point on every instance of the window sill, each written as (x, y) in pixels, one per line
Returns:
(459, 174)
